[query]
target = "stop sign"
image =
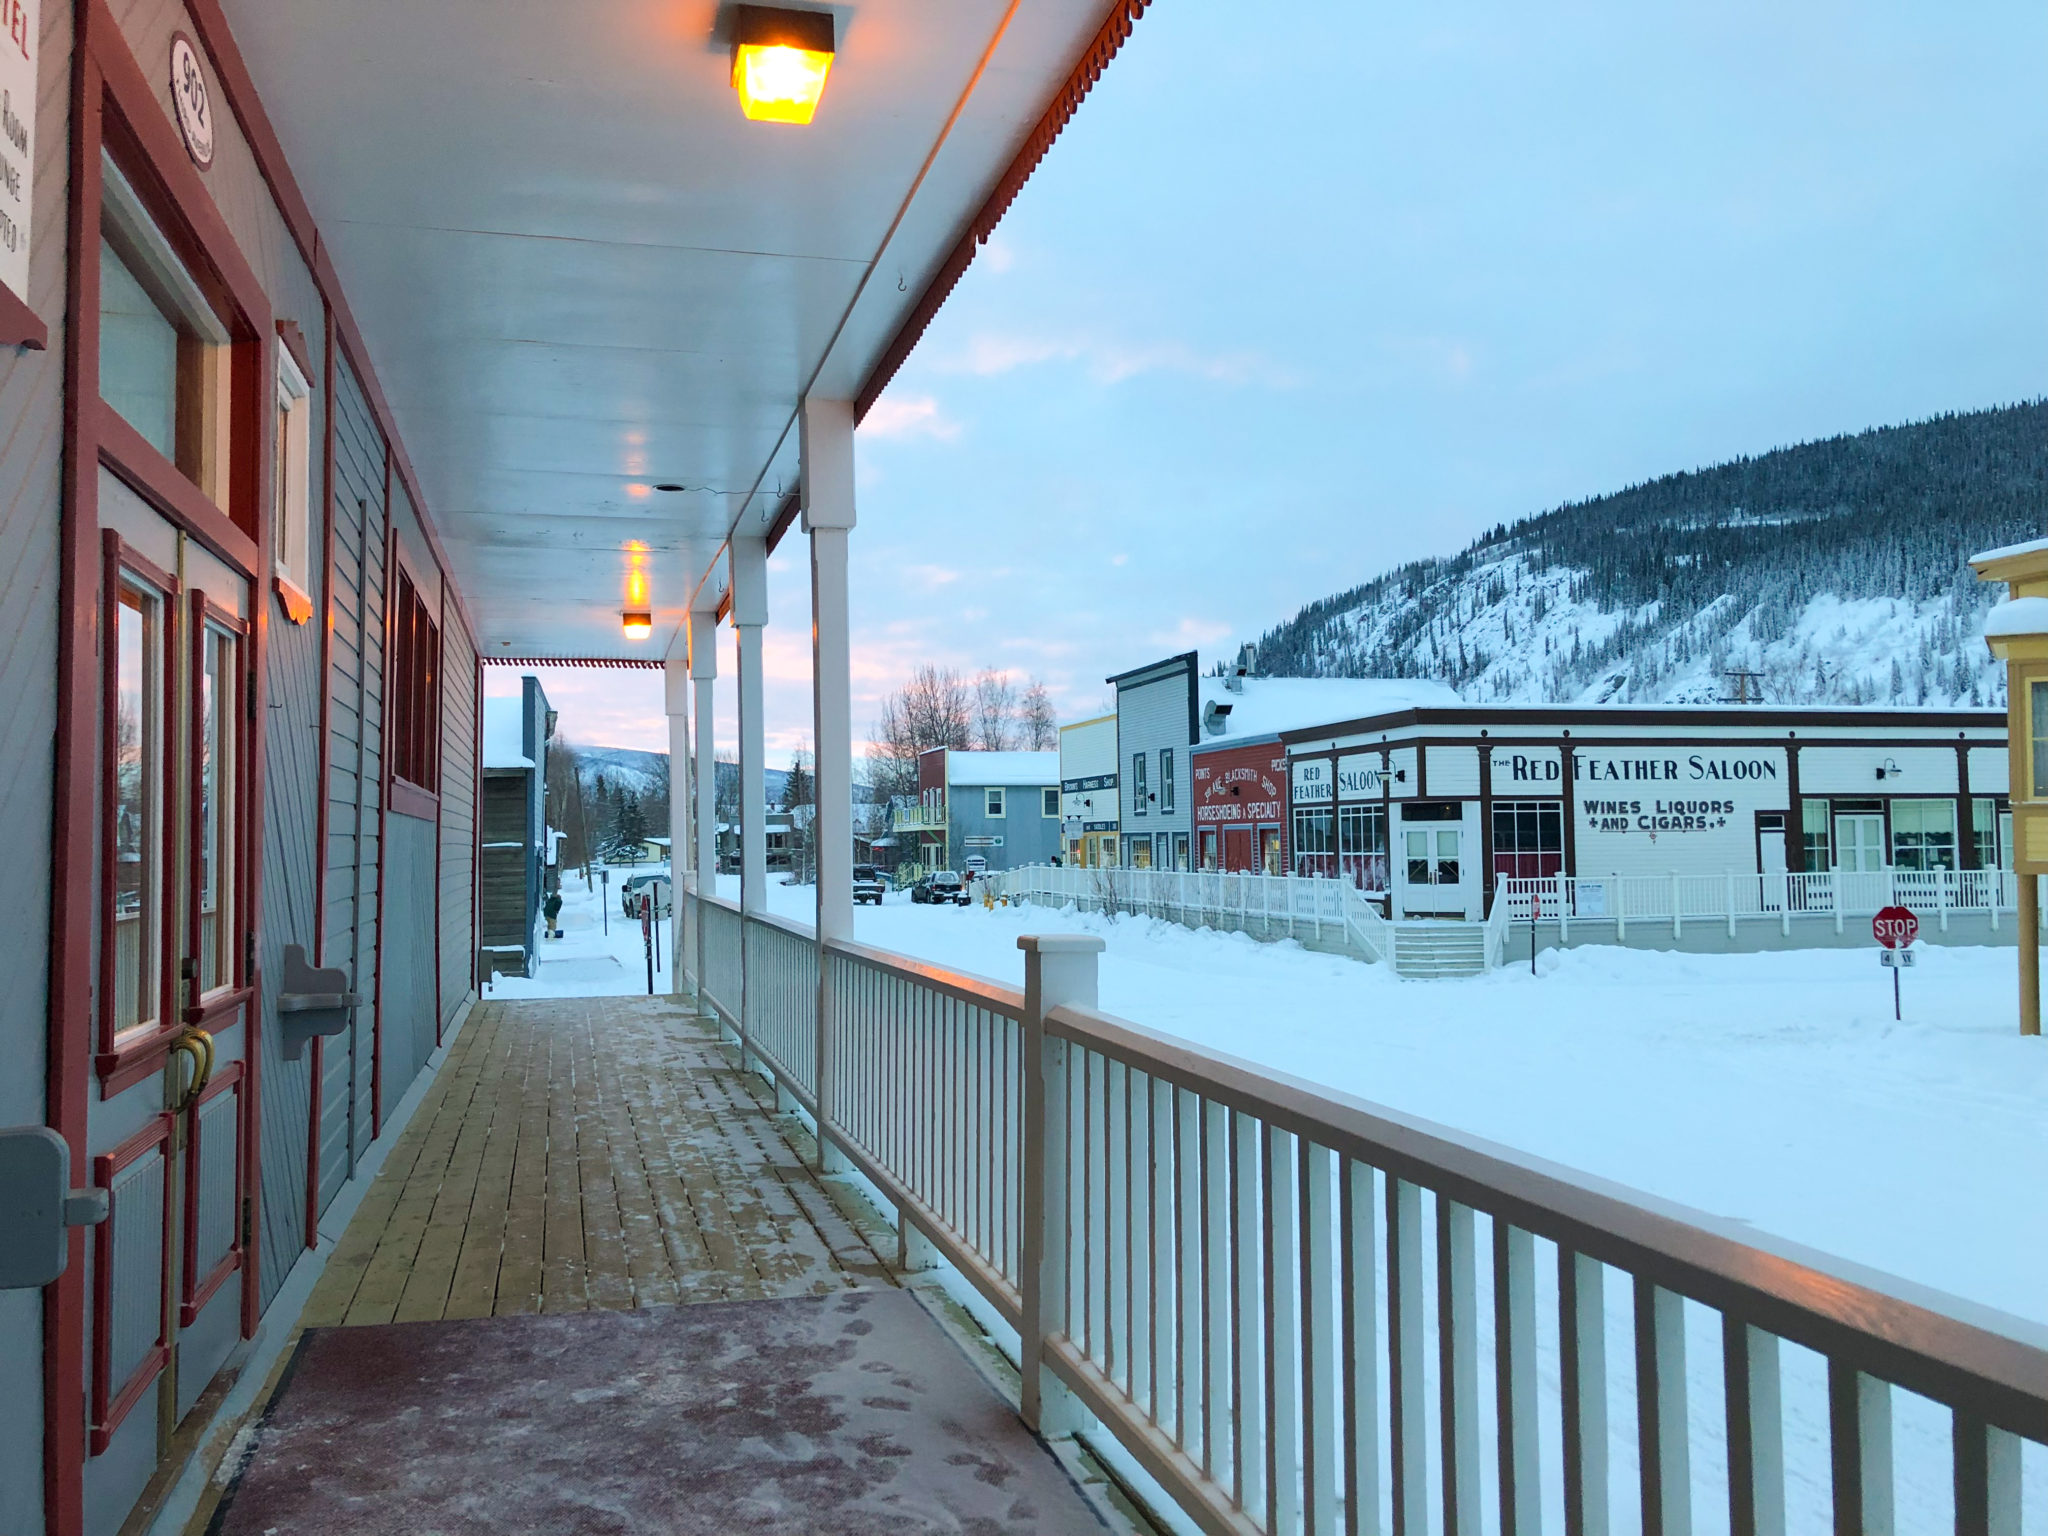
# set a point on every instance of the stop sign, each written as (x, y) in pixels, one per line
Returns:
(1895, 927)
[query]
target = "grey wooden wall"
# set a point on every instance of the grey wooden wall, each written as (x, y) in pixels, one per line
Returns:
(411, 1004)
(355, 811)
(31, 480)
(458, 815)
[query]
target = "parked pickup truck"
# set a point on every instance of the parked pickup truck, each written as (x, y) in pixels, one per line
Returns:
(868, 884)
(940, 887)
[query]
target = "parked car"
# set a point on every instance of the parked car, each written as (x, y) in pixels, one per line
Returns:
(940, 887)
(629, 894)
(868, 884)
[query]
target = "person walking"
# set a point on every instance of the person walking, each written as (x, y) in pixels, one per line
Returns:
(551, 909)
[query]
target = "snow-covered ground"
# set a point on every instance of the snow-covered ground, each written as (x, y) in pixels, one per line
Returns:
(1772, 1088)
(600, 953)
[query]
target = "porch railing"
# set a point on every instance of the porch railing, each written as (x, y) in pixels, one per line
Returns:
(1303, 905)
(1303, 1313)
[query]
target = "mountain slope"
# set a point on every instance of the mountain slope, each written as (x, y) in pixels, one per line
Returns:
(1835, 570)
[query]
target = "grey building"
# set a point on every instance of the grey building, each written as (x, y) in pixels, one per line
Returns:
(513, 850)
(1000, 806)
(1158, 721)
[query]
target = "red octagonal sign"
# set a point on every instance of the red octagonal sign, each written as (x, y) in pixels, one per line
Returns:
(1895, 927)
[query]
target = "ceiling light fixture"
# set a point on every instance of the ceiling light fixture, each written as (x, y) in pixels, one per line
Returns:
(780, 60)
(639, 624)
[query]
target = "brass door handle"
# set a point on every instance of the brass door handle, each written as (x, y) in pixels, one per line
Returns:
(197, 1044)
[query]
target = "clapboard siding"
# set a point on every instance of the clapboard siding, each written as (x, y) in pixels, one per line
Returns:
(355, 771)
(458, 816)
(292, 900)
(410, 1003)
(31, 481)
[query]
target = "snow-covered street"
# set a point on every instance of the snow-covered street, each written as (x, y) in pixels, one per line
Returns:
(600, 953)
(1770, 1088)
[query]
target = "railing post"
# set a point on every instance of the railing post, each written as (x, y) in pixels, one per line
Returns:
(1620, 909)
(1730, 873)
(1677, 902)
(825, 430)
(1060, 969)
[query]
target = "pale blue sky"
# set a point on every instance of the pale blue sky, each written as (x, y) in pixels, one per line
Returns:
(1281, 311)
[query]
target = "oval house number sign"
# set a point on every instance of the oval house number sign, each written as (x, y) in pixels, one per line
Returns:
(188, 91)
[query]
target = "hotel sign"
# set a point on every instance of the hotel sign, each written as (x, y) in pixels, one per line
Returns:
(20, 43)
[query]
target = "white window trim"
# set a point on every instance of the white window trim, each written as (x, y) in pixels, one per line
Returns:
(1054, 802)
(293, 552)
(995, 804)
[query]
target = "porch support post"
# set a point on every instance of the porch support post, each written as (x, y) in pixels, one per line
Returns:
(676, 704)
(749, 616)
(703, 673)
(828, 512)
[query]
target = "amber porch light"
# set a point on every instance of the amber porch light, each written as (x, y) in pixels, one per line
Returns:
(779, 62)
(638, 624)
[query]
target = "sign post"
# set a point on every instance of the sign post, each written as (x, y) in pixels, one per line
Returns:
(1895, 928)
(604, 900)
(1535, 912)
(647, 936)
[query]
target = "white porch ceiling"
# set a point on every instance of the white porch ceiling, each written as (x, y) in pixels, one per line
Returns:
(580, 272)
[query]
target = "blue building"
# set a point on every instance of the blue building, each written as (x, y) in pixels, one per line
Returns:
(1001, 806)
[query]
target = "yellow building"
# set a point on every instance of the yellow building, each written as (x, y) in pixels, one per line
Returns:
(2017, 633)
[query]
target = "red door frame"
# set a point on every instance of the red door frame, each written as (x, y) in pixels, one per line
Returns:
(113, 105)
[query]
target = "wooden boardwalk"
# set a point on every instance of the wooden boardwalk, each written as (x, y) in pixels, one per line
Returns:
(590, 1154)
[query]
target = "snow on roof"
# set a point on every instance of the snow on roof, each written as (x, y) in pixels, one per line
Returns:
(1002, 768)
(1269, 705)
(504, 734)
(2005, 551)
(2017, 616)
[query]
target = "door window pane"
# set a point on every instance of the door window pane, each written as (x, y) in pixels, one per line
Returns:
(1984, 832)
(1447, 856)
(1418, 857)
(216, 780)
(138, 355)
(137, 829)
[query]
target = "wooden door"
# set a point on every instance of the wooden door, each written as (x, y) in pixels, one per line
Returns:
(170, 1122)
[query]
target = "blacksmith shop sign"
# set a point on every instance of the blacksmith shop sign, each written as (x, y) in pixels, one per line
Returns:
(19, 44)
(1240, 793)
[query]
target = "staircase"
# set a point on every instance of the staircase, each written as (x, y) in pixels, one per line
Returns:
(1426, 950)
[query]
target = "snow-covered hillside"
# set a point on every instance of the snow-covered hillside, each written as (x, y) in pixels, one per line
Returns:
(1835, 572)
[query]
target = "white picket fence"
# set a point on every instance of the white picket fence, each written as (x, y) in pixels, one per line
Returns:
(1833, 896)
(1294, 1309)
(1301, 906)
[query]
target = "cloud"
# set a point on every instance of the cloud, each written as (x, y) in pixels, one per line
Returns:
(931, 577)
(1107, 361)
(900, 416)
(1192, 634)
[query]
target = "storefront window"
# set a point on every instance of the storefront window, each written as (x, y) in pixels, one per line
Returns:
(1924, 834)
(1528, 838)
(1140, 849)
(1362, 845)
(1313, 853)
(138, 355)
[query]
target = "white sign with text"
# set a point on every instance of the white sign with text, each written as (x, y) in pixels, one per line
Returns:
(20, 41)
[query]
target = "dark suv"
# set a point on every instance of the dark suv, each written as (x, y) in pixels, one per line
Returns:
(868, 884)
(940, 887)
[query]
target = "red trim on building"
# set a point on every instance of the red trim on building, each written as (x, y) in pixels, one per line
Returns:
(1239, 789)
(21, 326)
(408, 799)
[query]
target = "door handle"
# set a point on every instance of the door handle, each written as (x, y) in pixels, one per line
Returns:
(197, 1044)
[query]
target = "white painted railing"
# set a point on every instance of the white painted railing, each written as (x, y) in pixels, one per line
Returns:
(1266, 1292)
(1724, 898)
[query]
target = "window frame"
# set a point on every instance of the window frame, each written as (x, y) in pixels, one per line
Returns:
(124, 1055)
(994, 803)
(1138, 790)
(413, 698)
(291, 506)
(1049, 804)
(1166, 803)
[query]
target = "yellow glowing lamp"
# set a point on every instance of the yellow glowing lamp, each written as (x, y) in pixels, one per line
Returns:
(639, 624)
(779, 62)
